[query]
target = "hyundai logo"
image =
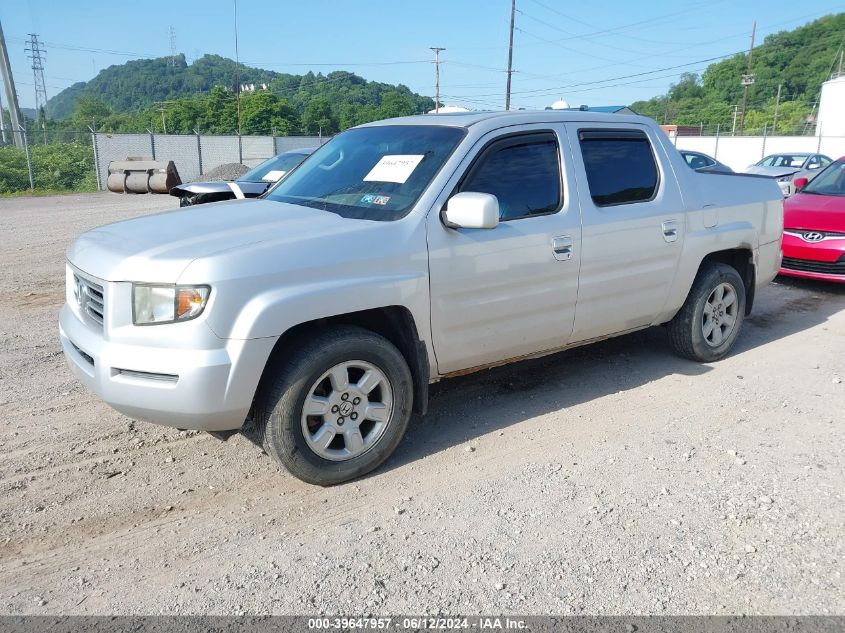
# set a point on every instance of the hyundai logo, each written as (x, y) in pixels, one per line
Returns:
(812, 236)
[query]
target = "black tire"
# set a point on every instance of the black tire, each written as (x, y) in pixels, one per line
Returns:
(685, 330)
(285, 387)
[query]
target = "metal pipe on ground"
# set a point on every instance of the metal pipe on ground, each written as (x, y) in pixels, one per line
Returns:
(142, 176)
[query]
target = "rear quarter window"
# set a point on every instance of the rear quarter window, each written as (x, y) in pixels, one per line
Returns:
(620, 166)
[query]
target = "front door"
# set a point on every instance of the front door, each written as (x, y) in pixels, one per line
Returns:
(510, 291)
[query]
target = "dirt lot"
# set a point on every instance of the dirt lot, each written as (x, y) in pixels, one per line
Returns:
(614, 478)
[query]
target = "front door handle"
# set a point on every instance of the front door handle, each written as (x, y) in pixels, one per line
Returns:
(670, 230)
(562, 247)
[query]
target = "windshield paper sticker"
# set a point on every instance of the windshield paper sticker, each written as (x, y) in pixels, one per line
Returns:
(396, 168)
(370, 198)
(274, 175)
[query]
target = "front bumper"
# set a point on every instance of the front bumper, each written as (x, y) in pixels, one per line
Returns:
(824, 260)
(204, 389)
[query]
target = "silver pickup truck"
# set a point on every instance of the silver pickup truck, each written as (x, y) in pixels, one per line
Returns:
(403, 252)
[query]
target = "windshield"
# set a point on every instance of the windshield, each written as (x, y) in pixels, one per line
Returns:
(784, 160)
(830, 182)
(373, 173)
(273, 169)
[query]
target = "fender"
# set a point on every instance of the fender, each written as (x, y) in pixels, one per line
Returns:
(700, 242)
(273, 312)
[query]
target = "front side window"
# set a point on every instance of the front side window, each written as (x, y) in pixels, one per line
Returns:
(620, 166)
(830, 182)
(523, 172)
(371, 173)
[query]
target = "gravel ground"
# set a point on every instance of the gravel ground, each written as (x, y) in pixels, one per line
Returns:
(227, 171)
(614, 478)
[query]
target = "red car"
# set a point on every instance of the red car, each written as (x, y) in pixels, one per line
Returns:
(814, 227)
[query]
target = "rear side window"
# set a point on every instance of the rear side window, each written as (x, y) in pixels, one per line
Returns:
(523, 172)
(620, 166)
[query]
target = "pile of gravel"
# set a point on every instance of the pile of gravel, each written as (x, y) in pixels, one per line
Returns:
(227, 171)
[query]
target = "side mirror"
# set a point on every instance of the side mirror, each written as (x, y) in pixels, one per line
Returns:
(471, 210)
(800, 183)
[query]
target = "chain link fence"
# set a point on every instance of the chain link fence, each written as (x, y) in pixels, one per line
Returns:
(193, 154)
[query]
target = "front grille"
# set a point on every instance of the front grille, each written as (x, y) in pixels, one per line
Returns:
(825, 235)
(813, 266)
(91, 298)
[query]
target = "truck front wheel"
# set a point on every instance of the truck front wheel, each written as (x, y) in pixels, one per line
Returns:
(336, 406)
(706, 327)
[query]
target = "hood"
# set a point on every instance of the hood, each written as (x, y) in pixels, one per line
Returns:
(814, 212)
(774, 172)
(219, 186)
(158, 248)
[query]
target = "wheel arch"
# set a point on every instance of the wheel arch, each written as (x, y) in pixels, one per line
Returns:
(740, 259)
(395, 323)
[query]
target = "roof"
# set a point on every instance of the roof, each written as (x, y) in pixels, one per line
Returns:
(513, 117)
(611, 109)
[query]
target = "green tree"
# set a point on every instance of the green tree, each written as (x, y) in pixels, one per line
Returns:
(318, 117)
(89, 111)
(395, 104)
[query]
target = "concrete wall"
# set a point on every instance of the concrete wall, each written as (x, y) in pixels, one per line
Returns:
(738, 152)
(191, 154)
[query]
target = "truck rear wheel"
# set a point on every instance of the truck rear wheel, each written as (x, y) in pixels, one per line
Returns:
(706, 327)
(336, 406)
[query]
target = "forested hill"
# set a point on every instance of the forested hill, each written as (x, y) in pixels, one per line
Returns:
(799, 60)
(139, 83)
(131, 97)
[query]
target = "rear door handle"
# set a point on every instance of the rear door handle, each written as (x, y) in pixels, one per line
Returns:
(670, 230)
(562, 247)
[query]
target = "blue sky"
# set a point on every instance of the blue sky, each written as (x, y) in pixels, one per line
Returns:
(608, 52)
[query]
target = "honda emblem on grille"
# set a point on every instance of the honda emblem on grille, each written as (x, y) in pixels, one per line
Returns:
(812, 236)
(80, 292)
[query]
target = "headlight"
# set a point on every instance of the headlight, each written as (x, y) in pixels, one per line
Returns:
(152, 305)
(785, 178)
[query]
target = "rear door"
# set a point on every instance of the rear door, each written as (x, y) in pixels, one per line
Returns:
(633, 227)
(510, 291)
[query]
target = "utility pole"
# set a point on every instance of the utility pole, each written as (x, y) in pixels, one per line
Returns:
(777, 104)
(510, 59)
(733, 127)
(437, 50)
(2, 122)
(35, 55)
(11, 95)
(163, 124)
(747, 79)
(237, 69)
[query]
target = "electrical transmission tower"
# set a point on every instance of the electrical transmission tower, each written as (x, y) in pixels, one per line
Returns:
(36, 55)
(173, 60)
